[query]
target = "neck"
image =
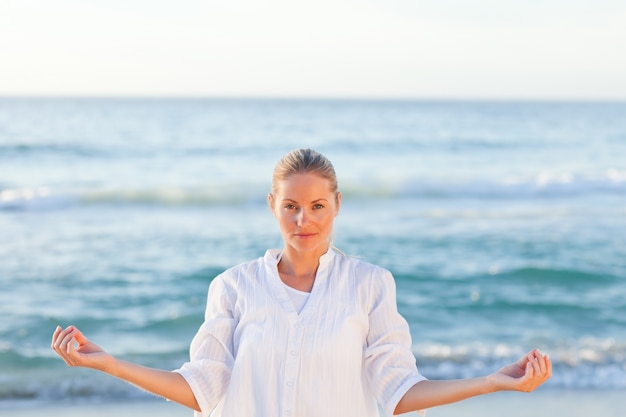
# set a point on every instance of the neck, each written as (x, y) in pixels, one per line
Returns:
(298, 269)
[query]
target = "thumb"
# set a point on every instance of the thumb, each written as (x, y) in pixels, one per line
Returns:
(80, 337)
(526, 359)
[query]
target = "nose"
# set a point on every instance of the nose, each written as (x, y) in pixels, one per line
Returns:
(301, 217)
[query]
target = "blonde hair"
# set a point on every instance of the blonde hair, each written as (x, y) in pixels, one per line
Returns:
(304, 161)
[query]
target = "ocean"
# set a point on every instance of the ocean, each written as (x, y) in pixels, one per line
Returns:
(504, 224)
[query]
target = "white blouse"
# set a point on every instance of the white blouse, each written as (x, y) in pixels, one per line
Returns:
(347, 350)
(298, 298)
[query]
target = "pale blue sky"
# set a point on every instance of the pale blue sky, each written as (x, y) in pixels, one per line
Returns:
(550, 49)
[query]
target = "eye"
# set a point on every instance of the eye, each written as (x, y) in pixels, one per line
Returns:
(318, 206)
(290, 206)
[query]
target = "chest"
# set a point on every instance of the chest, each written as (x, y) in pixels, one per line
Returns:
(331, 327)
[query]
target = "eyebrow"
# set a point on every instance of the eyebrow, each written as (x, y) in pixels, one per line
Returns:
(312, 202)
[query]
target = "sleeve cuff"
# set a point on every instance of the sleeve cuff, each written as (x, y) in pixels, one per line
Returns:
(400, 392)
(197, 392)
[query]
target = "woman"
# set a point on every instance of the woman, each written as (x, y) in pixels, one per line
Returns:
(302, 331)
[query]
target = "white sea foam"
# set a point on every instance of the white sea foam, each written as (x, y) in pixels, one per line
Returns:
(543, 185)
(38, 198)
(586, 363)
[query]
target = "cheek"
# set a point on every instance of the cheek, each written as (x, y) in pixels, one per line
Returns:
(284, 219)
(329, 221)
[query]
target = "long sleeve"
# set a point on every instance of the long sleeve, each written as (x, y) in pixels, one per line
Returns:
(389, 361)
(212, 353)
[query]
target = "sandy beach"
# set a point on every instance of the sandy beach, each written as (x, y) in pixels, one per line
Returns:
(544, 403)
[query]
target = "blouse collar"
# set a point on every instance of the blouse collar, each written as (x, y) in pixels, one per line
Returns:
(273, 256)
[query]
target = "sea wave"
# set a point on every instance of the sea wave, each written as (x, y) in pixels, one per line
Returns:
(613, 182)
(543, 184)
(44, 198)
(35, 149)
(587, 363)
(555, 276)
(584, 364)
(40, 198)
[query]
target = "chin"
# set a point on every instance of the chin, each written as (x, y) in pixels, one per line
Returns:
(311, 246)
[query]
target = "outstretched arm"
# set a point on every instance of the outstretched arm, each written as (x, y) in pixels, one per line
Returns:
(525, 375)
(76, 350)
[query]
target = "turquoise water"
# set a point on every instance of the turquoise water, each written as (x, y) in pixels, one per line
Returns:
(504, 224)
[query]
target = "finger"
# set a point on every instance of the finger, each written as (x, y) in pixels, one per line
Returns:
(533, 365)
(67, 343)
(60, 336)
(530, 370)
(538, 371)
(70, 342)
(549, 365)
(529, 357)
(524, 359)
(537, 358)
(70, 346)
(80, 337)
(61, 350)
(55, 335)
(541, 360)
(63, 332)
(545, 365)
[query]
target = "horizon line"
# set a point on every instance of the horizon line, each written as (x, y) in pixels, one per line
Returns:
(346, 98)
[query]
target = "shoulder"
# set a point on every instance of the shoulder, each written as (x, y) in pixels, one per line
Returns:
(250, 272)
(249, 267)
(243, 272)
(369, 284)
(234, 283)
(370, 279)
(361, 269)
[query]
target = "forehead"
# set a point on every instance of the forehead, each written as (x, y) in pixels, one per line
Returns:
(304, 186)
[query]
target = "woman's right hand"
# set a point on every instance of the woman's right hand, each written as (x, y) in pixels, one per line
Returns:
(76, 350)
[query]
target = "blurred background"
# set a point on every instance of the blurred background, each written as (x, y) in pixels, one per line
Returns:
(480, 150)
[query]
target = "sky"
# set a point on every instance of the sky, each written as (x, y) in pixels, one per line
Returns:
(413, 49)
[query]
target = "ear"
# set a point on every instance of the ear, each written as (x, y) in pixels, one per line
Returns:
(270, 201)
(338, 201)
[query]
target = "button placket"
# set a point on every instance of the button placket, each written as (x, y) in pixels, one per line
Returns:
(291, 366)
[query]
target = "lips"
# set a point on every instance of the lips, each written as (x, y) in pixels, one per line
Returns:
(304, 235)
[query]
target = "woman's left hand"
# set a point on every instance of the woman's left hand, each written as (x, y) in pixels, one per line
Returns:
(76, 350)
(528, 373)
